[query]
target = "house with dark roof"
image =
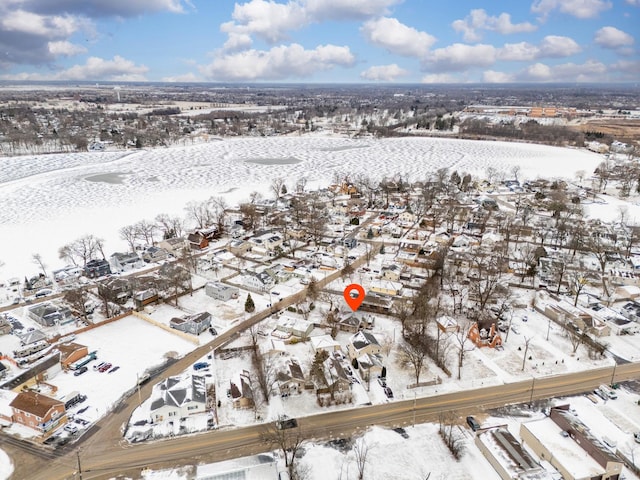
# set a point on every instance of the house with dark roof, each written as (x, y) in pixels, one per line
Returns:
(123, 262)
(194, 324)
(38, 411)
(154, 254)
(97, 268)
(259, 281)
(363, 343)
(290, 379)
(49, 314)
(178, 397)
(197, 241)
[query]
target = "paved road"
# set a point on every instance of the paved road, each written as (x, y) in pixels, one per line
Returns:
(102, 458)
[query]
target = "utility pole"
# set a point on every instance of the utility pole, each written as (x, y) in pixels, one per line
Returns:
(614, 371)
(79, 466)
(414, 409)
(533, 384)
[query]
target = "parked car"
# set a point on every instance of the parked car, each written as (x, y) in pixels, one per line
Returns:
(80, 371)
(99, 366)
(200, 365)
(636, 437)
(402, 432)
(114, 369)
(71, 428)
(382, 381)
(388, 392)
(105, 367)
(44, 292)
(473, 423)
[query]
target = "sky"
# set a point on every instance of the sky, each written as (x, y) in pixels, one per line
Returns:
(321, 41)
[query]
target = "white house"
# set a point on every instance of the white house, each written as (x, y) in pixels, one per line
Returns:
(260, 282)
(221, 291)
(178, 397)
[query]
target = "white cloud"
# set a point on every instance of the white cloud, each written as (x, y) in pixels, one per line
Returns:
(478, 19)
(635, 3)
(611, 37)
(56, 26)
(384, 73)
(117, 69)
(577, 8)
(458, 57)
(439, 78)
(237, 41)
(590, 71)
(552, 46)
(281, 62)
(519, 52)
(65, 48)
(272, 21)
(492, 76)
(347, 9)
(397, 37)
(184, 78)
(266, 19)
(558, 46)
(96, 68)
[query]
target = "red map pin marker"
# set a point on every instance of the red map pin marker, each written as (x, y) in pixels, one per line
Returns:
(353, 302)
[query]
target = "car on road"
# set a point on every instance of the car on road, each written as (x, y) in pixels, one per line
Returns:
(105, 367)
(80, 371)
(285, 423)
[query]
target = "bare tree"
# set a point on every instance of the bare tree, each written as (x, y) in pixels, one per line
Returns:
(276, 187)
(37, 259)
(360, 452)
(413, 354)
(527, 340)
(287, 440)
(129, 234)
(577, 281)
(462, 338)
(145, 231)
(77, 298)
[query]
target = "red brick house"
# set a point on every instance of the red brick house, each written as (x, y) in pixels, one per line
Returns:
(38, 411)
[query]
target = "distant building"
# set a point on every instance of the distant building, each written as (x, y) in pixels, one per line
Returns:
(221, 291)
(194, 324)
(49, 314)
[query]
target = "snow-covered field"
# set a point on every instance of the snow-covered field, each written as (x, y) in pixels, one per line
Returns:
(50, 200)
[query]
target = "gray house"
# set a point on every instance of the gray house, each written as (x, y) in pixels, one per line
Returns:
(221, 291)
(122, 262)
(194, 324)
(48, 314)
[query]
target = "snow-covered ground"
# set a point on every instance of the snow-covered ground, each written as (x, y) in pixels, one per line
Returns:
(53, 199)
(6, 466)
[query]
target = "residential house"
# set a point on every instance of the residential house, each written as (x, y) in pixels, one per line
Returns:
(294, 326)
(363, 343)
(241, 391)
(331, 377)
(37, 411)
(239, 247)
(194, 324)
(49, 314)
(3, 370)
(33, 336)
(118, 289)
(386, 288)
(175, 245)
(221, 291)
(257, 281)
(197, 241)
(124, 262)
(291, 380)
(325, 343)
(392, 271)
(71, 353)
(178, 397)
(154, 254)
(67, 275)
(97, 268)
(447, 324)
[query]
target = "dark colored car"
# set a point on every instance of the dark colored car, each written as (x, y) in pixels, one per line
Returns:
(80, 371)
(388, 392)
(473, 423)
(114, 369)
(286, 423)
(402, 432)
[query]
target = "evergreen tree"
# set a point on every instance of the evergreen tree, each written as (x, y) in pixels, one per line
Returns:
(249, 306)
(369, 233)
